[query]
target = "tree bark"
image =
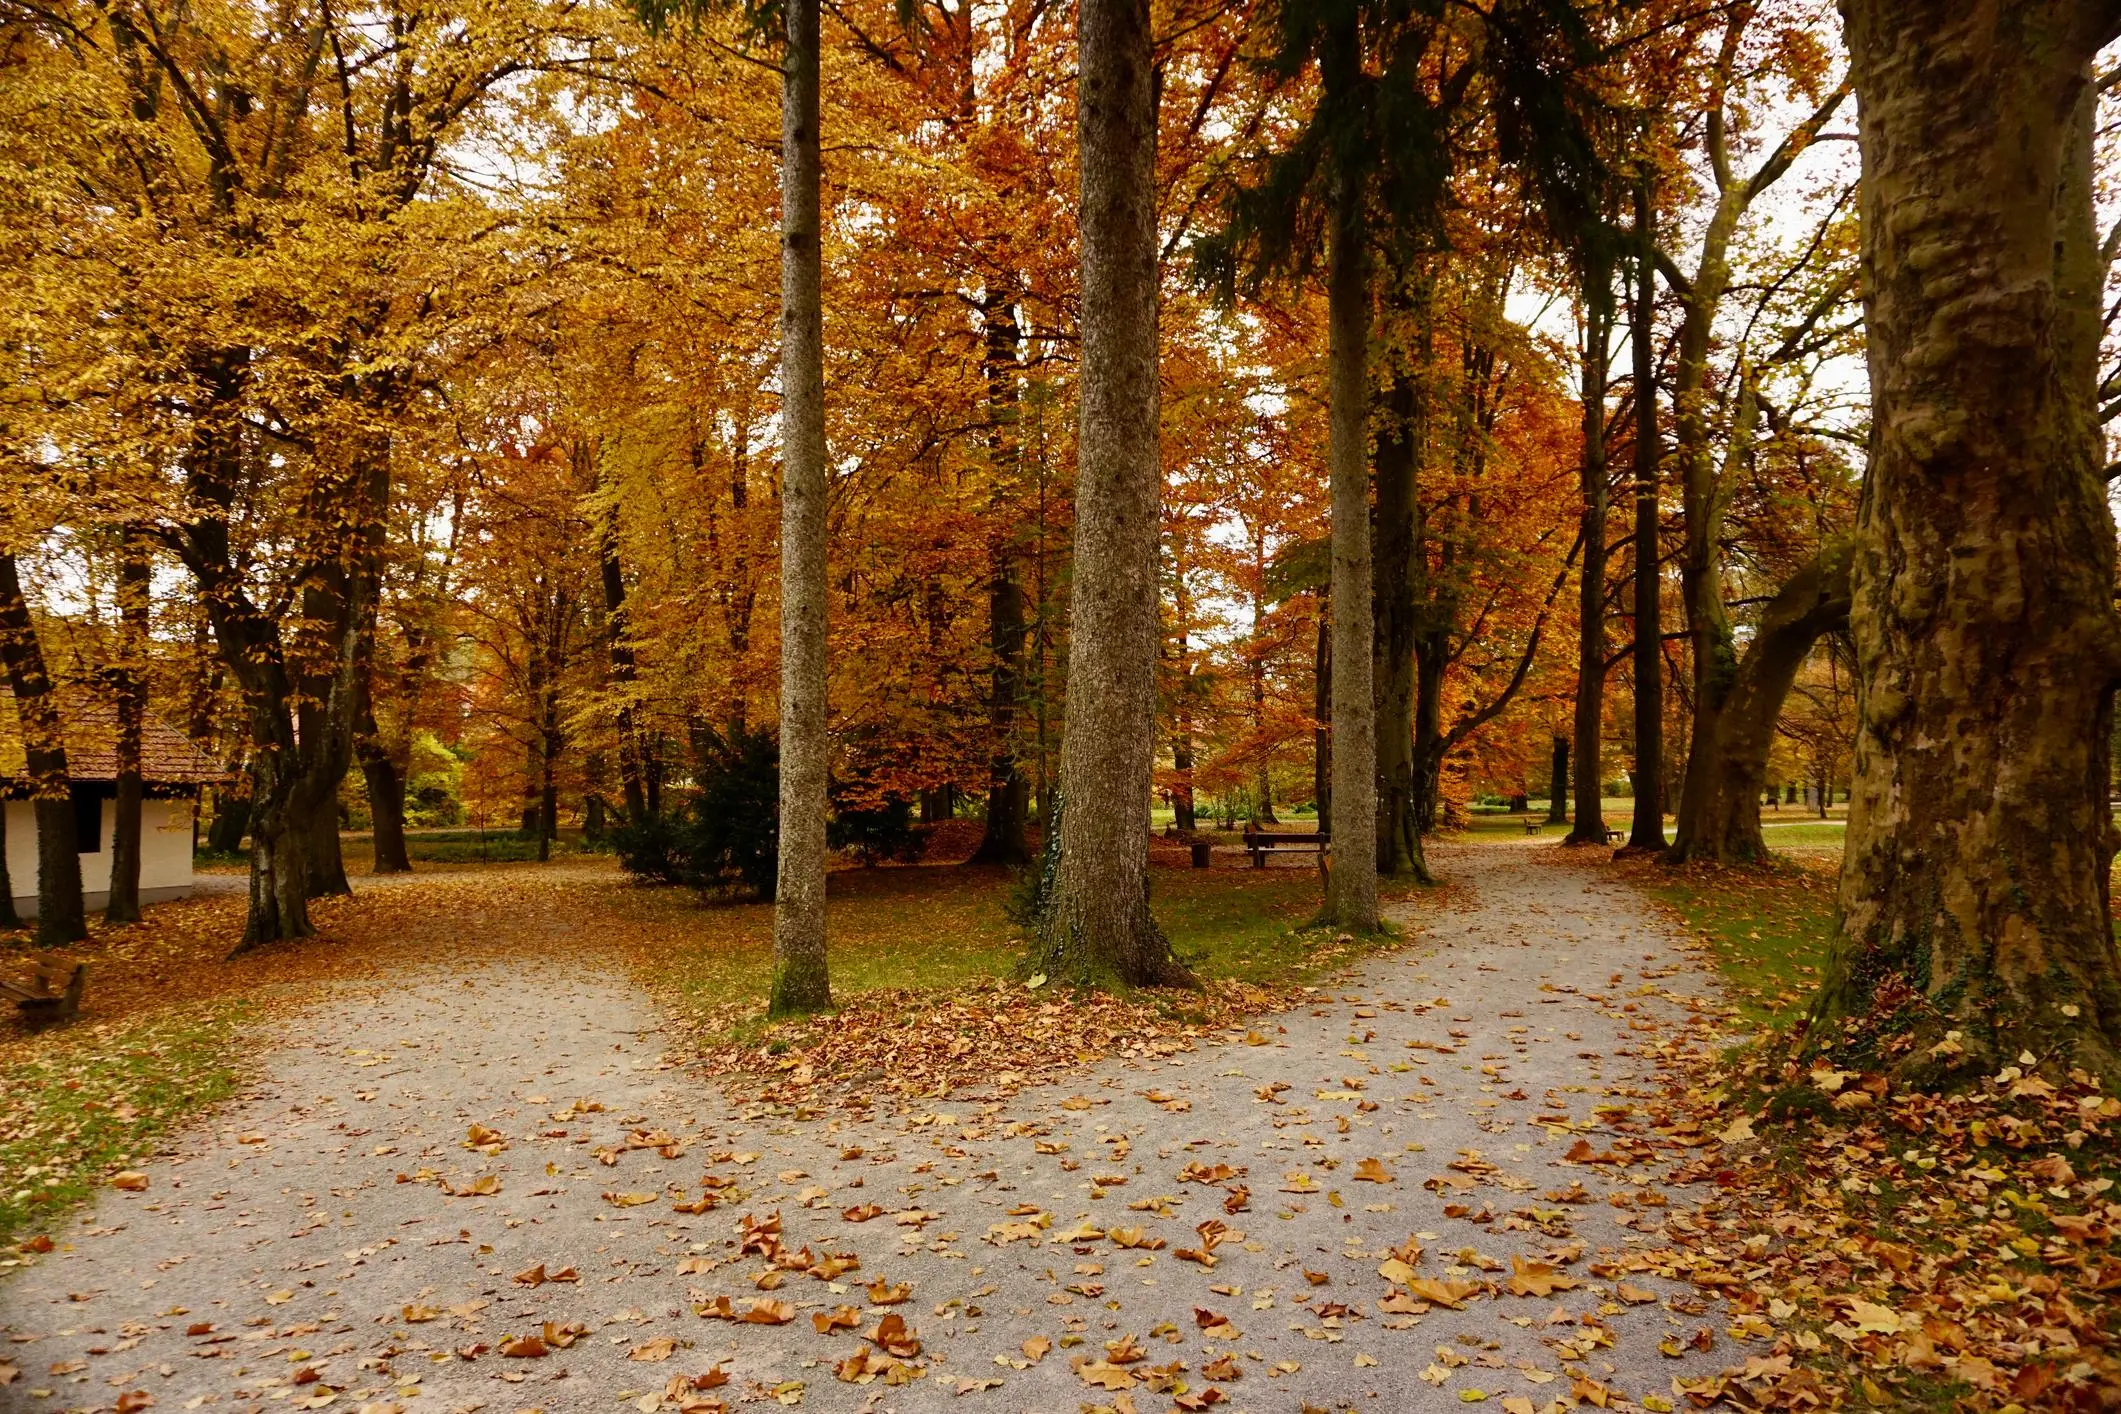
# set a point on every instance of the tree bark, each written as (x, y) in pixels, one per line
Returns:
(618, 650)
(1008, 792)
(61, 917)
(129, 680)
(1096, 926)
(8, 917)
(386, 790)
(1589, 725)
(1722, 822)
(324, 858)
(1322, 710)
(1647, 829)
(800, 980)
(1974, 887)
(1351, 887)
(1558, 783)
(1398, 454)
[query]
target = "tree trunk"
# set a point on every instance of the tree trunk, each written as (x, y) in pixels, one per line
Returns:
(1721, 820)
(1589, 725)
(1351, 887)
(1008, 792)
(1398, 454)
(324, 860)
(1322, 710)
(386, 789)
(1558, 783)
(1431, 651)
(1096, 925)
(386, 811)
(1647, 829)
(1974, 887)
(129, 679)
(282, 816)
(800, 980)
(231, 820)
(618, 650)
(61, 917)
(8, 917)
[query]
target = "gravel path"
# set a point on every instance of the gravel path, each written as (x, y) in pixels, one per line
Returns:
(334, 1239)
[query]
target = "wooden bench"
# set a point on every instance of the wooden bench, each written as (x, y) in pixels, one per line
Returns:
(1261, 843)
(44, 1000)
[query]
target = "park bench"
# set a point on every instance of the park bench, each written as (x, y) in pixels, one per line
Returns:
(1533, 824)
(44, 999)
(1261, 843)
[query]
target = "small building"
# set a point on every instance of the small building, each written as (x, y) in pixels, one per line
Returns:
(171, 769)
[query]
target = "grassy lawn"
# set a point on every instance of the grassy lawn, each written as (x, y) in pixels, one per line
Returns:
(1768, 928)
(943, 927)
(80, 1103)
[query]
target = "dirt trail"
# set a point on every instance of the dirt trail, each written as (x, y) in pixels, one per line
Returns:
(333, 1239)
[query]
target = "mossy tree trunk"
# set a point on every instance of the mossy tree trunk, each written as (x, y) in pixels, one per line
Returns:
(1974, 886)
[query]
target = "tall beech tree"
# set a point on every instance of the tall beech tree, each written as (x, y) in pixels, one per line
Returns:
(1096, 925)
(1975, 915)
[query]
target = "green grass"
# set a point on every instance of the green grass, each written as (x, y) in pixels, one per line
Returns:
(1768, 928)
(944, 927)
(92, 1100)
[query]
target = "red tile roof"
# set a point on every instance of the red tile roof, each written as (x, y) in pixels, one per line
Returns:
(167, 756)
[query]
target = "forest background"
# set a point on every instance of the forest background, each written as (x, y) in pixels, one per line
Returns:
(394, 404)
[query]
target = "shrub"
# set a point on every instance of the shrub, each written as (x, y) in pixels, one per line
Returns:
(727, 834)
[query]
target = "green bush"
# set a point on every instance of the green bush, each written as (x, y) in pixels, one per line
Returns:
(729, 832)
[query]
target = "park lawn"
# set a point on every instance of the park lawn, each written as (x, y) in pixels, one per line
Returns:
(78, 1104)
(1767, 927)
(946, 927)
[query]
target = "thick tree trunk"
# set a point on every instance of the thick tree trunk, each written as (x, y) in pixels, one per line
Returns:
(1096, 925)
(1974, 887)
(1558, 783)
(1589, 726)
(61, 917)
(281, 819)
(386, 810)
(1351, 887)
(324, 861)
(800, 980)
(1727, 775)
(1398, 455)
(386, 790)
(129, 679)
(1647, 829)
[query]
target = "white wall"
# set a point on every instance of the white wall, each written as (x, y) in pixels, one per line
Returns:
(165, 853)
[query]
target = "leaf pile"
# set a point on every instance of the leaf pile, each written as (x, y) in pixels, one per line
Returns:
(1914, 1249)
(1002, 1036)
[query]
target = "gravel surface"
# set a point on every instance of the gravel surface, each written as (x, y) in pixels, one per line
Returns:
(303, 1247)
